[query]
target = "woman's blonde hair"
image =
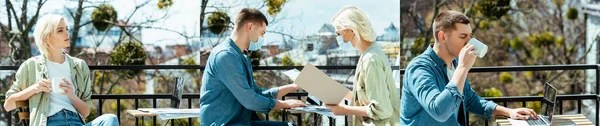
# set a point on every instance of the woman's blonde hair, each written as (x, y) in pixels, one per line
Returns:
(356, 20)
(45, 28)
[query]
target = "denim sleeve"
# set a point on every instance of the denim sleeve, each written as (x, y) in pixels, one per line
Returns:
(476, 104)
(270, 92)
(440, 104)
(230, 71)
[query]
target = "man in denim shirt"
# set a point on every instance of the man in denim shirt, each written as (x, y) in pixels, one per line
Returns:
(436, 90)
(229, 94)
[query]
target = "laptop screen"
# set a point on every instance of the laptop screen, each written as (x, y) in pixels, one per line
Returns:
(549, 101)
(177, 90)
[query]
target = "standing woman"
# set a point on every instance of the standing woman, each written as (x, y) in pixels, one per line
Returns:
(71, 103)
(374, 99)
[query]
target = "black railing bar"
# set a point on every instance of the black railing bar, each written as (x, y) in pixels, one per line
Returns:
(136, 107)
(189, 107)
(560, 107)
(534, 68)
(539, 98)
(475, 69)
(119, 109)
(154, 106)
(579, 106)
(142, 67)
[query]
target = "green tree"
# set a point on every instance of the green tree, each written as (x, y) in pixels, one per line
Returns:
(163, 4)
(274, 6)
(505, 77)
(287, 61)
(218, 22)
(255, 57)
(190, 61)
(128, 53)
(103, 16)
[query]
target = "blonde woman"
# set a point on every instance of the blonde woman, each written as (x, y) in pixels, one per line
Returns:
(70, 102)
(374, 99)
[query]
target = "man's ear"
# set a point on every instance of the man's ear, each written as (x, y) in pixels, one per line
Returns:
(249, 26)
(441, 37)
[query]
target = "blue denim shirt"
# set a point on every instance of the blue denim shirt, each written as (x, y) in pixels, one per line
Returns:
(429, 98)
(229, 94)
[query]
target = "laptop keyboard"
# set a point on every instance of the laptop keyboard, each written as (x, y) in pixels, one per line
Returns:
(536, 122)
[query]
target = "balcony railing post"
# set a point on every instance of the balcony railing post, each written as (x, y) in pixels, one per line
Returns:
(597, 92)
(136, 118)
(190, 107)
(119, 109)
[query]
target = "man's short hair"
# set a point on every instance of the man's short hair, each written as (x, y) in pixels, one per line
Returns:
(250, 15)
(446, 20)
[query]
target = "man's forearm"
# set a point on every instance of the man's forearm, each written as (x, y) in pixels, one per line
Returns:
(458, 77)
(284, 90)
(501, 111)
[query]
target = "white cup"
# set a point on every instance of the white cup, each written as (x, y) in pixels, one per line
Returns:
(56, 85)
(480, 47)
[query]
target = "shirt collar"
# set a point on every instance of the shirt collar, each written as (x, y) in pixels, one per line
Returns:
(234, 46)
(438, 61)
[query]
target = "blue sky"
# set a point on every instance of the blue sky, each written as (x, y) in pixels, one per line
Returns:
(303, 17)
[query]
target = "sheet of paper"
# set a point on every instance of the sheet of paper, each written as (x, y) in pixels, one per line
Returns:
(518, 122)
(316, 109)
(169, 110)
(293, 73)
(165, 116)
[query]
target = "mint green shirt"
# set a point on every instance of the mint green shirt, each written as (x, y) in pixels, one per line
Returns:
(374, 87)
(34, 69)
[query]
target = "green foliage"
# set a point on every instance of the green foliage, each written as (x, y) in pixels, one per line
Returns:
(536, 106)
(218, 21)
(528, 74)
(124, 105)
(560, 41)
(103, 16)
(492, 92)
(537, 53)
(484, 25)
(255, 57)
(558, 2)
(101, 77)
(541, 40)
(417, 47)
(274, 6)
(189, 61)
(572, 14)
(287, 61)
(516, 44)
(92, 115)
(505, 77)
(493, 9)
(128, 53)
(163, 4)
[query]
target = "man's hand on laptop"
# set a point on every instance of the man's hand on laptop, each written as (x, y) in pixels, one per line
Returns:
(293, 103)
(522, 113)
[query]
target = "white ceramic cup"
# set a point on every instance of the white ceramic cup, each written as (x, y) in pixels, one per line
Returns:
(56, 85)
(480, 47)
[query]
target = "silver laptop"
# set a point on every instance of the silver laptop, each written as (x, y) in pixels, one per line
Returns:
(547, 110)
(175, 97)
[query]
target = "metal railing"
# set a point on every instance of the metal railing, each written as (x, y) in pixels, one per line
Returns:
(504, 100)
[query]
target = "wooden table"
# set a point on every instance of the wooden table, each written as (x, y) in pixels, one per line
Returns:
(578, 119)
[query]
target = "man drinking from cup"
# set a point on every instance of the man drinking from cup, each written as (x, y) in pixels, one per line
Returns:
(436, 90)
